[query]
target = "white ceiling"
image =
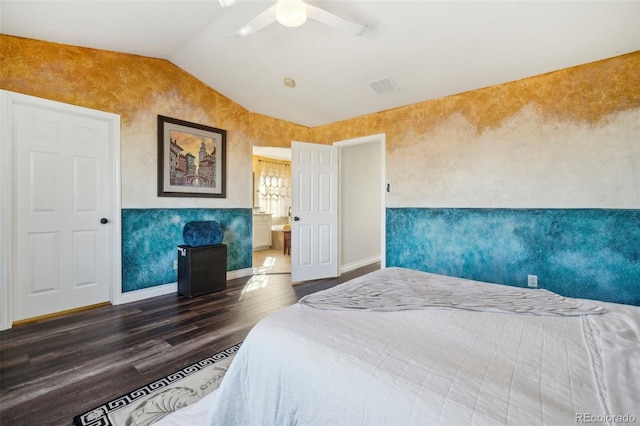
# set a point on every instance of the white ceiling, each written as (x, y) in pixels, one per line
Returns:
(430, 49)
(273, 152)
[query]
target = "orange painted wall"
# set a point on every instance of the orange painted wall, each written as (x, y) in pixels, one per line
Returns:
(126, 84)
(447, 142)
(586, 93)
(139, 89)
(567, 139)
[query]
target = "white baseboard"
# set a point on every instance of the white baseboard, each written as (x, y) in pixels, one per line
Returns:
(359, 264)
(161, 290)
(239, 273)
(147, 293)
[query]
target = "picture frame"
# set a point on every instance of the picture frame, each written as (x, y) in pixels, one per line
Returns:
(191, 159)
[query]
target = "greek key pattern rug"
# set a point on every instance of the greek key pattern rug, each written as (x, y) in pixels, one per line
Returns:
(148, 404)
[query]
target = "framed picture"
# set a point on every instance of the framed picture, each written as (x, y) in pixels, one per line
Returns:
(191, 159)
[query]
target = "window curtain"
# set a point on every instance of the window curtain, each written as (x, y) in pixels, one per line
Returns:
(274, 191)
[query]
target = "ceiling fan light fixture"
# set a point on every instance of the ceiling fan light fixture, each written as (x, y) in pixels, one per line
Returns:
(291, 13)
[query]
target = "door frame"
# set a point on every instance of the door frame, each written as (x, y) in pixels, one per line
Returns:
(8, 154)
(380, 138)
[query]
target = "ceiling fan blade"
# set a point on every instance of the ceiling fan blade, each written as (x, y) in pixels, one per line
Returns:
(266, 18)
(227, 3)
(335, 21)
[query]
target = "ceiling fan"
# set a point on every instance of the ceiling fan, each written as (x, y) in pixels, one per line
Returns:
(293, 13)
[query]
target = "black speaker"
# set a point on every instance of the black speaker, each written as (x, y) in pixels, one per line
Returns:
(202, 270)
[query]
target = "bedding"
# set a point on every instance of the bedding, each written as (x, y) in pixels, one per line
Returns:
(397, 289)
(338, 357)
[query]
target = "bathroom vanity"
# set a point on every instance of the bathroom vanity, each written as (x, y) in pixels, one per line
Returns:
(261, 231)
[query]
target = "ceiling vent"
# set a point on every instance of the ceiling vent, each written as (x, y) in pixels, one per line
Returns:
(384, 86)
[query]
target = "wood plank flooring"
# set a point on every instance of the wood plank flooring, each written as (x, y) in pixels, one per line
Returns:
(54, 369)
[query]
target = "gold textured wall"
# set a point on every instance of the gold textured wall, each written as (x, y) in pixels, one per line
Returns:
(125, 84)
(138, 89)
(585, 93)
(567, 139)
(562, 139)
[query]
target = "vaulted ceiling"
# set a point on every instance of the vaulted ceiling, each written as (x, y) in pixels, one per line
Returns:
(429, 49)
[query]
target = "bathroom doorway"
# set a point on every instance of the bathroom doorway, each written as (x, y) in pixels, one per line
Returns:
(361, 208)
(271, 210)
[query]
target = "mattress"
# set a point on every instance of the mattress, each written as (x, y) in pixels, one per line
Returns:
(433, 359)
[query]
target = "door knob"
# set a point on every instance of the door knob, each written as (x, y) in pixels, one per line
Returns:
(296, 218)
(104, 220)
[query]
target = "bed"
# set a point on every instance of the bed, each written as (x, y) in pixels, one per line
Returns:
(403, 347)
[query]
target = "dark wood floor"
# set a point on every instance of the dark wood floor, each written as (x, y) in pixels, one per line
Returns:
(55, 369)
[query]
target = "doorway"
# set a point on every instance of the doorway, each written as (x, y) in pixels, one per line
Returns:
(362, 202)
(271, 210)
(362, 196)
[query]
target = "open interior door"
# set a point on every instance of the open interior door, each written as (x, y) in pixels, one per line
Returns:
(314, 200)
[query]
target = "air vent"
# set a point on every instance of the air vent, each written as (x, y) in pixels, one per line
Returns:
(384, 86)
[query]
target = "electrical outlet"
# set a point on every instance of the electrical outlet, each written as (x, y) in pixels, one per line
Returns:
(175, 264)
(532, 281)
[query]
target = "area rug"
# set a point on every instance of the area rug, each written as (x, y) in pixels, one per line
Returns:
(150, 403)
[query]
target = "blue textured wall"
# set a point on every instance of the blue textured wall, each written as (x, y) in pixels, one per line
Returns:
(150, 238)
(591, 253)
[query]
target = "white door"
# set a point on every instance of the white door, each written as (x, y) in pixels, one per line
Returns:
(314, 202)
(62, 193)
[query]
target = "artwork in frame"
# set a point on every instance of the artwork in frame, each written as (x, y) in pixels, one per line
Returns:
(191, 159)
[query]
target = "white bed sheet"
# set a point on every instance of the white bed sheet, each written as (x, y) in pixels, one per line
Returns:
(431, 367)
